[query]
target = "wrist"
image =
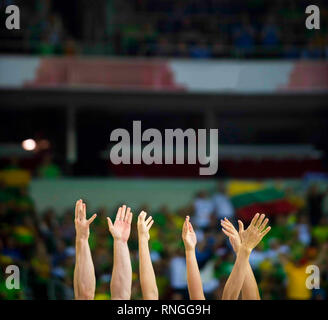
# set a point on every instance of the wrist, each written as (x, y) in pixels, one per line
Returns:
(120, 240)
(82, 239)
(143, 238)
(190, 249)
(244, 250)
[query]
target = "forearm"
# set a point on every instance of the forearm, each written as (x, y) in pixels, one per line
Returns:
(250, 289)
(84, 273)
(194, 280)
(122, 272)
(236, 279)
(76, 286)
(147, 274)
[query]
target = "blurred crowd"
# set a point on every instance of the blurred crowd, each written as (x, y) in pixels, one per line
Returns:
(162, 28)
(42, 245)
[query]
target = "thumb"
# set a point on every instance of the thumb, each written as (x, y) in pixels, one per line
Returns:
(241, 226)
(110, 223)
(92, 218)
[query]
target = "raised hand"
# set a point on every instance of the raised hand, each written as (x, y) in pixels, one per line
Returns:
(144, 225)
(81, 223)
(195, 287)
(233, 235)
(249, 288)
(121, 228)
(188, 235)
(84, 273)
(146, 271)
(255, 232)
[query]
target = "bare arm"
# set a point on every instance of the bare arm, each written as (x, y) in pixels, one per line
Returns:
(84, 273)
(195, 286)
(121, 282)
(147, 275)
(194, 280)
(249, 289)
(249, 240)
(237, 276)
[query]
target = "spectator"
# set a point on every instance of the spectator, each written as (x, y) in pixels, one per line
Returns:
(149, 40)
(164, 48)
(257, 256)
(243, 36)
(314, 202)
(42, 245)
(296, 278)
(270, 34)
(303, 229)
(203, 208)
(178, 278)
(48, 169)
(320, 231)
(222, 204)
(291, 51)
(311, 51)
(180, 22)
(200, 50)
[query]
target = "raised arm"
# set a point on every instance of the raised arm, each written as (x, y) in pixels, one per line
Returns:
(249, 240)
(195, 287)
(84, 273)
(249, 290)
(147, 275)
(121, 282)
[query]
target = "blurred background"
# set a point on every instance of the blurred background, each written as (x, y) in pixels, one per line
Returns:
(76, 70)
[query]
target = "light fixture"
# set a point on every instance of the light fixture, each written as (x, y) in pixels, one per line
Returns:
(29, 144)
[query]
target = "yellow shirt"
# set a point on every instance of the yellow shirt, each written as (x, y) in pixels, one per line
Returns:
(102, 296)
(296, 287)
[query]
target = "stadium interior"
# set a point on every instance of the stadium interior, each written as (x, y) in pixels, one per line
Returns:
(77, 70)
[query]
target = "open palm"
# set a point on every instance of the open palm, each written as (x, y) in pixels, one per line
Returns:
(230, 231)
(82, 224)
(255, 232)
(121, 228)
